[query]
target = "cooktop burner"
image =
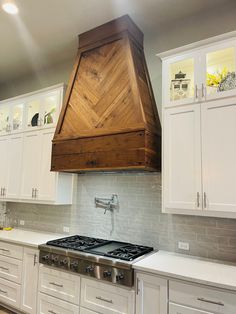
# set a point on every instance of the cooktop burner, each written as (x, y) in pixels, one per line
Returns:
(119, 250)
(78, 243)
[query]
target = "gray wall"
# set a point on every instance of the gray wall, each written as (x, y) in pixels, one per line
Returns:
(139, 218)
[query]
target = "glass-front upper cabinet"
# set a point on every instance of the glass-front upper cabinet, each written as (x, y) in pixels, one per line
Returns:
(50, 108)
(16, 117)
(219, 70)
(181, 78)
(33, 114)
(4, 118)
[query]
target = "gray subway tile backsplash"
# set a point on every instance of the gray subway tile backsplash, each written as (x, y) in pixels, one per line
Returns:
(138, 220)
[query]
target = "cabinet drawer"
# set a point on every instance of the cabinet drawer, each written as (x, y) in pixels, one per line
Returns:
(203, 298)
(11, 250)
(9, 293)
(59, 284)
(50, 305)
(105, 298)
(10, 269)
(85, 311)
(180, 309)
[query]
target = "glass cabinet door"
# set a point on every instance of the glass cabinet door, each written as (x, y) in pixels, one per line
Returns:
(182, 78)
(4, 119)
(33, 116)
(17, 114)
(220, 72)
(50, 109)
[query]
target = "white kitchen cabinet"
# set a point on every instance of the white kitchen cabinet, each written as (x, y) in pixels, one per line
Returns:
(199, 159)
(180, 309)
(199, 72)
(105, 298)
(31, 165)
(29, 281)
(10, 166)
(182, 158)
(85, 311)
(151, 294)
(219, 155)
(39, 184)
(47, 304)
(3, 166)
(14, 159)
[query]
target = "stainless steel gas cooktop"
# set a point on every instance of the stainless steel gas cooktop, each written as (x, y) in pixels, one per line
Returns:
(102, 259)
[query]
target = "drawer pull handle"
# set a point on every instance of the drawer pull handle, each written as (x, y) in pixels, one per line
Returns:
(56, 284)
(52, 312)
(210, 301)
(105, 300)
(4, 250)
(3, 291)
(4, 268)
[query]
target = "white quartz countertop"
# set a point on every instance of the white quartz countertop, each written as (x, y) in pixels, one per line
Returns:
(29, 238)
(189, 268)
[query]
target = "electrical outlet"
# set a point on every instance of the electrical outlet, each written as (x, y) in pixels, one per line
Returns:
(66, 229)
(183, 246)
(22, 222)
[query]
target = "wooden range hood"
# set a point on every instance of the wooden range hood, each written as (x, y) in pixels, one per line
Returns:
(109, 120)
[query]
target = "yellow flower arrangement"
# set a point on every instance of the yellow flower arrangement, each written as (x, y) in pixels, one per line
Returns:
(215, 79)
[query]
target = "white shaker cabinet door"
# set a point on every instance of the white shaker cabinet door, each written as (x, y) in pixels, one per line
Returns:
(219, 155)
(182, 158)
(30, 281)
(14, 156)
(151, 295)
(180, 309)
(3, 165)
(31, 164)
(47, 178)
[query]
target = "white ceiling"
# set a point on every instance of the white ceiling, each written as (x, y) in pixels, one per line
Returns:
(45, 31)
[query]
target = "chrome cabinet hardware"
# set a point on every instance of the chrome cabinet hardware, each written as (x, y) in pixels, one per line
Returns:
(56, 284)
(204, 200)
(35, 259)
(137, 287)
(210, 301)
(35, 193)
(196, 92)
(198, 199)
(3, 291)
(32, 193)
(4, 268)
(1, 192)
(203, 91)
(52, 312)
(103, 299)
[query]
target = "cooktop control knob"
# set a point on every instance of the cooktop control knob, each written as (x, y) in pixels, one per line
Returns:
(54, 259)
(119, 277)
(89, 269)
(63, 262)
(106, 273)
(74, 265)
(45, 257)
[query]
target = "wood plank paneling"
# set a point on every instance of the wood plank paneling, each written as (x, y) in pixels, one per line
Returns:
(109, 102)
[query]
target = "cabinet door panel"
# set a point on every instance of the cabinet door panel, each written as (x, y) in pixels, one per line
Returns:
(182, 158)
(219, 154)
(14, 156)
(151, 295)
(47, 179)
(3, 163)
(30, 281)
(31, 163)
(180, 309)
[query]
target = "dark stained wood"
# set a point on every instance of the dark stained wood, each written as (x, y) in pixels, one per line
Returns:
(111, 28)
(109, 120)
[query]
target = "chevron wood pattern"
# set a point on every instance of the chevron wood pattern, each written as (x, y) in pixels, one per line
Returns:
(109, 101)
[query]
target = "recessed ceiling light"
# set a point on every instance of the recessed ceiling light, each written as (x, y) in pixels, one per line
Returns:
(10, 8)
